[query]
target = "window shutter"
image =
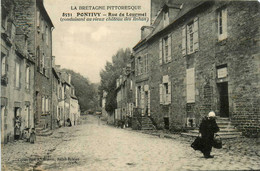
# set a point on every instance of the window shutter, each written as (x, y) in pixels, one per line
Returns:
(196, 34)
(184, 40)
(161, 94)
(160, 53)
(169, 47)
(190, 85)
(136, 66)
(142, 101)
(6, 111)
(169, 93)
(149, 98)
(224, 19)
(136, 96)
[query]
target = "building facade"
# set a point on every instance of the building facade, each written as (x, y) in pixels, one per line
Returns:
(17, 77)
(74, 107)
(202, 56)
(39, 27)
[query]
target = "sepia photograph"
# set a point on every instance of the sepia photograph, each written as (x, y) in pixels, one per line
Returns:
(141, 85)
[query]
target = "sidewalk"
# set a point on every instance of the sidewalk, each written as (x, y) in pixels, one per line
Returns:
(21, 155)
(241, 146)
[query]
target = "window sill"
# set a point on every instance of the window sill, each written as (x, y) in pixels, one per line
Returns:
(221, 41)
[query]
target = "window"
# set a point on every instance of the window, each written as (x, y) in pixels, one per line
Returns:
(39, 59)
(43, 105)
(42, 26)
(42, 63)
(146, 63)
(222, 71)
(222, 24)
(47, 35)
(4, 17)
(139, 66)
(27, 79)
(17, 74)
(190, 37)
(190, 86)
(190, 32)
(38, 19)
(60, 93)
(3, 64)
(46, 105)
(165, 91)
(165, 49)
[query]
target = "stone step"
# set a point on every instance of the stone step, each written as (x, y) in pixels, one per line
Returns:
(147, 128)
(223, 122)
(222, 118)
(45, 132)
(225, 126)
(224, 136)
(221, 130)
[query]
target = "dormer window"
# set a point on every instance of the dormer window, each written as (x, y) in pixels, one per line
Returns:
(190, 37)
(165, 49)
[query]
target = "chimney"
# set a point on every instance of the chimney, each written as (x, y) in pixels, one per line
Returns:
(145, 31)
(53, 61)
(69, 77)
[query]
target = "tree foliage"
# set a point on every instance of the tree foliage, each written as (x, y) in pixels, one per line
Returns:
(86, 92)
(109, 75)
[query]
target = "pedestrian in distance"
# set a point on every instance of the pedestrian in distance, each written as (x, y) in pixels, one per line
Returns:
(99, 118)
(208, 128)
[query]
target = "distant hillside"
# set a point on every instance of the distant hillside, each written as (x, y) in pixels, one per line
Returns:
(86, 91)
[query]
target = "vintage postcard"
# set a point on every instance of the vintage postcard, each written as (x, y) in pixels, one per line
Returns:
(130, 85)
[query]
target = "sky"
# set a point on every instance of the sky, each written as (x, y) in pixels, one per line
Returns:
(85, 46)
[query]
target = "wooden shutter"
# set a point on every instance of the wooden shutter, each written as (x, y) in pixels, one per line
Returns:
(160, 53)
(149, 103)
(190, 85)
(184, 40)
(224, 20)
(136, 96)
(169, 100)
(136, 66)
(196, 34)
(169, 47)
(161, 93)
(142, 101)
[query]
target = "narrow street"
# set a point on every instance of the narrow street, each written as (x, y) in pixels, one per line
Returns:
(97, 146)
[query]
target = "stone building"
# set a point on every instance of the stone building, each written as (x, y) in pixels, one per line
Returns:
(55, 117)
(67, 95)
(33, 18)
(17, 77)
(74, 107)
(202, 56)
(125, 105)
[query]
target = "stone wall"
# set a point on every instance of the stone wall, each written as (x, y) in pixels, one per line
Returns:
(239, 52)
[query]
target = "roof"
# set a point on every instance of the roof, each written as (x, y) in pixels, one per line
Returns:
(187, 7)
(55, 73)
(44, 12)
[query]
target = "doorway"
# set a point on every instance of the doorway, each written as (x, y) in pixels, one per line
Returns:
(17, 123)
(146, 103)
(223, 99)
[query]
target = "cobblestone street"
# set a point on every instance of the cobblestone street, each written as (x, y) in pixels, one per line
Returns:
(97, 146)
